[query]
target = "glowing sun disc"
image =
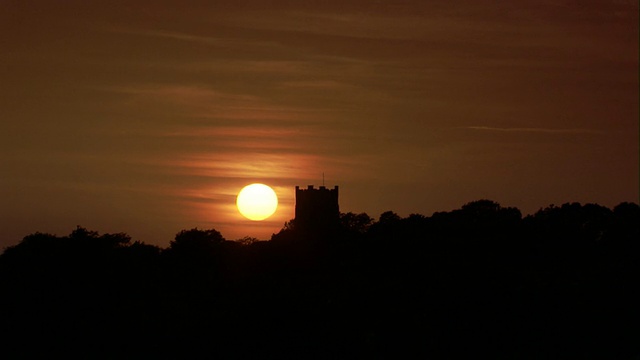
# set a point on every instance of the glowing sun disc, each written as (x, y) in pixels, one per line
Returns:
(257, 202)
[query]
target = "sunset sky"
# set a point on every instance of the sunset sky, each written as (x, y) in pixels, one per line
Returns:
(147, 117)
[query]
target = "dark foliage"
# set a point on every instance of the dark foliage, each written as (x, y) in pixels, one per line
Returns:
(480, 281)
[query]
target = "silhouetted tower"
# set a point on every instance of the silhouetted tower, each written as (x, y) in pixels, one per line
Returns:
(317, 209)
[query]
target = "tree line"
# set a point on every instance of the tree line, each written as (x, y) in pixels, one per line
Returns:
(482, 279)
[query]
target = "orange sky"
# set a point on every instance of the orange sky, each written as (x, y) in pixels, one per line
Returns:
(148, 117)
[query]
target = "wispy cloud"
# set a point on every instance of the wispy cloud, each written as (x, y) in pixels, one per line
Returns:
(192, 38)
(199, 102)
(533, 130)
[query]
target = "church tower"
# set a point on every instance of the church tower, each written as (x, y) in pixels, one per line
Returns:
(317, 209)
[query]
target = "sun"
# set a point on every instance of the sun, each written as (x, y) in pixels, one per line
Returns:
(257, 202)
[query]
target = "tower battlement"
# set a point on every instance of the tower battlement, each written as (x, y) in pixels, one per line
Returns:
(317, 208)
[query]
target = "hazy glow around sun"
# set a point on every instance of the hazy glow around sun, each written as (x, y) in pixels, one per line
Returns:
(257, 202)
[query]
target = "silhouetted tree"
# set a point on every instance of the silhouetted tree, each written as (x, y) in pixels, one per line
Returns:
(358, 223)
(287, 233)
(388, 218)
(570, 225)
(196, 241)
(626, 222)
(489, 214)
(247, 240)
(33, 245)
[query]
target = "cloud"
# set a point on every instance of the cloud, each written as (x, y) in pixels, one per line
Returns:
(533, 130)
(226, 42)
